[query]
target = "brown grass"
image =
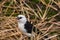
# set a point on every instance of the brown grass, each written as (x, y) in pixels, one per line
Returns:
(8, 24)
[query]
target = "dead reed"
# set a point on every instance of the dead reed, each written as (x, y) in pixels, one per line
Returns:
(39, 14)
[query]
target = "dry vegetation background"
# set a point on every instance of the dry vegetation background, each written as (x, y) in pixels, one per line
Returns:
(44, 14)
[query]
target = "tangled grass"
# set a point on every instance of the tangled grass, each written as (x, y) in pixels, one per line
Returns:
(45, 15)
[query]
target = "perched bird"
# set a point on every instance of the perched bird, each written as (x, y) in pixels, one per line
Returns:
(25, 26)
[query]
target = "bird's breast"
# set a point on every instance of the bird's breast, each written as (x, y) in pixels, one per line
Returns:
(21, 27)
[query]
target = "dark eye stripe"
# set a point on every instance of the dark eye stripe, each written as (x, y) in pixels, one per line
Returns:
(19, 18)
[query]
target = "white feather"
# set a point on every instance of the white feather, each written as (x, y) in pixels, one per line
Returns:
(21, 23)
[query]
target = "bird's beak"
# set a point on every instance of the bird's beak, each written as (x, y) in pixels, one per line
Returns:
(17, 18)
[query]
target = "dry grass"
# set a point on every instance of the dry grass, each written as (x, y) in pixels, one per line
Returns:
(48, 25)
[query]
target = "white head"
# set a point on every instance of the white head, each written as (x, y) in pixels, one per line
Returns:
(21, 19)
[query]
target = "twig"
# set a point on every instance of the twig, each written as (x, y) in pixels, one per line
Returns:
(51, 37)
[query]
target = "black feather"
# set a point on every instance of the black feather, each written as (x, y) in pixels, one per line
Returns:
(28, 27)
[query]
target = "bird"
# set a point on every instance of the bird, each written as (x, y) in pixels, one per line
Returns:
(26, 27)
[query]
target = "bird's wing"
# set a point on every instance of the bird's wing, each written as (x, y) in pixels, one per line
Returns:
(28, 27)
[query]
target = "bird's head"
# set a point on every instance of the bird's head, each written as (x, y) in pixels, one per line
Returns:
(21, 18)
